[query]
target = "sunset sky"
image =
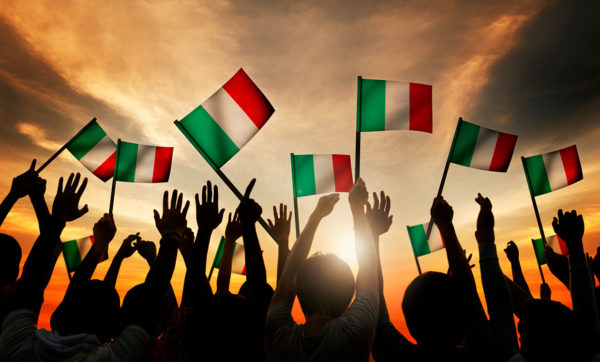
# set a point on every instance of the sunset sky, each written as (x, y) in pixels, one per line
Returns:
(529, 68)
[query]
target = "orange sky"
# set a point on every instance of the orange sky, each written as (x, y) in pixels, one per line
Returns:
(139, 65)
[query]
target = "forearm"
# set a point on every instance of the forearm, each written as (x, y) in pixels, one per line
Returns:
(41, 208)
(366, 254)
(582, 292)
(518, 277)
(160, 273)
(383, 311)
(113, 271)
(86, 269)
(224, 275)
(256, 273)
(282, 253)
(6, 205)
(196, 285)
(457, 261)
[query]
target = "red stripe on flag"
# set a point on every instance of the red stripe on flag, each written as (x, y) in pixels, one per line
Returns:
(162, 164)
(420, 109)
(570, 160)
(244, 268)
(563, 247)
(106, 170)
(249, 97)
(503, 152)
(342, 172)
(103, 257)
(443, 242)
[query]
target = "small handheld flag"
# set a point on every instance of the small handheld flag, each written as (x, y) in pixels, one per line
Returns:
(554, 170)
(74, 252)
(423, 245)
(238, 262)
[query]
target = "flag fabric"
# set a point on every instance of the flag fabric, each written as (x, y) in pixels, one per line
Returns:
(95, 150)
(390, 105)
(557, 244)
(420, 245)
(551, 171)
(238, 262)
(538, 248)
(482, 148)
(226, 121)
(74, 252)
(142, 163)
(317, 174)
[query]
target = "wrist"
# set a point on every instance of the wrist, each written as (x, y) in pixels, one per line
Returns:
(12, 196)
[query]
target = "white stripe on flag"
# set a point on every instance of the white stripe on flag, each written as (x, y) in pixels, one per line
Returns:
(555, 170)
(397, 105)
(484, 149)
(239, 259)
(230, 117)
(84, 245)
(100, 153)
(324, 180)
(435, 238)
(144, 166)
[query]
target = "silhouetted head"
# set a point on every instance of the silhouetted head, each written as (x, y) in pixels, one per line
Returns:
(89, 306)
(155, 316)
(551, 332)
(10, 258)
(324, 285)
(436, 309)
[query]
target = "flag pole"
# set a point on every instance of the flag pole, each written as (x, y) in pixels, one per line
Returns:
(415, 255)
(446, 167)
(296, 217)
(220, 173)
(65, 146)
(212, 268)
(358, 128)
(538, 263)
(535, 208)
(114, 180)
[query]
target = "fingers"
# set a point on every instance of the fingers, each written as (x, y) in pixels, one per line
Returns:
(229, 219)
(82, 211)
(388, 204)
(275, 212)
(197, 198)
(156, 216)
(216, 195)
(185, 208)
(69, 182)
(289, 218)
(203, 195)
(165, 201)
(268, 222)
(81, 188)
(249, 188)
(60, 186)
(174, 199)
(375, 201)
(32, 167)
(179, 201)
(209, 191)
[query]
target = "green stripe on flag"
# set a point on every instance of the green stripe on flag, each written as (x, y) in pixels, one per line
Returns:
(465, 144)
(71, 255)
(537, 175)
(127, 161)
(219, 254)
(418, 242)
(304, 168)
(81, 144)
(538, 247)
(209, 136)
(372, 110)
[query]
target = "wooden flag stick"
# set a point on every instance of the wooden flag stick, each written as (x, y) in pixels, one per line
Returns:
(212, 268)
(535, 208)
(414, 254)
(358, 128)
(446, 167)
(114, 180)
(538, 262)
(43, 166)
(220, 173)
(296, 217)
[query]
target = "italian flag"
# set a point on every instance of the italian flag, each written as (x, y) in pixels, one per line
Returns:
(482, 148)
(95, 150)
(420, 245)
(75, 250)
(552, 171)
(317, 174)
(226, 121)
(142, 163)
(389, 105)
(555, 242)
(238, 262)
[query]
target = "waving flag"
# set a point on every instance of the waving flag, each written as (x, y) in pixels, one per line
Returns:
(95, 150)
(482, 148)
(74, 252)
(317, 174)
(141, 163)
(551, 171)
(226, 121)
(238, 262)
(420, 244)
(390, 105)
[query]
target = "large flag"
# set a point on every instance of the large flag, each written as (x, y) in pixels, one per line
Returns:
(141, 163)
(420, 244)
(95, 150)
(74, 252)
(482, 148)
(390, 105)
(317, 174)
(238, 262)
(552, 171)
(226, 121)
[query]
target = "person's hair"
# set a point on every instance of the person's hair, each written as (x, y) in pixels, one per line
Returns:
(10, 258)
(89, 306)
(325, 285)
(436, 309)
(142, 308)
(551, 332)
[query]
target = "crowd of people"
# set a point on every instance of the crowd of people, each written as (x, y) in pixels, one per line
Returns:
(346, 317)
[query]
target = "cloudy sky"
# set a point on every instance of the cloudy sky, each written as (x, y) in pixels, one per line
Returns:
(524, 67)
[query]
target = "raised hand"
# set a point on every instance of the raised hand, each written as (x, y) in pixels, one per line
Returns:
(186, 245)
(358, 196)
(23, 184)
(379, 216)
(326, 204)
(248, 210)
(208, 215)
(441, 212)
(147, 250)
(558, 265)
(66, 203)
(173, 218)
(281, 224)
(595, 267)
(569, 227)
(512, 252)
(545, 291)
(127, 248)
(104, 231)
(233, 231)
(485, 221)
